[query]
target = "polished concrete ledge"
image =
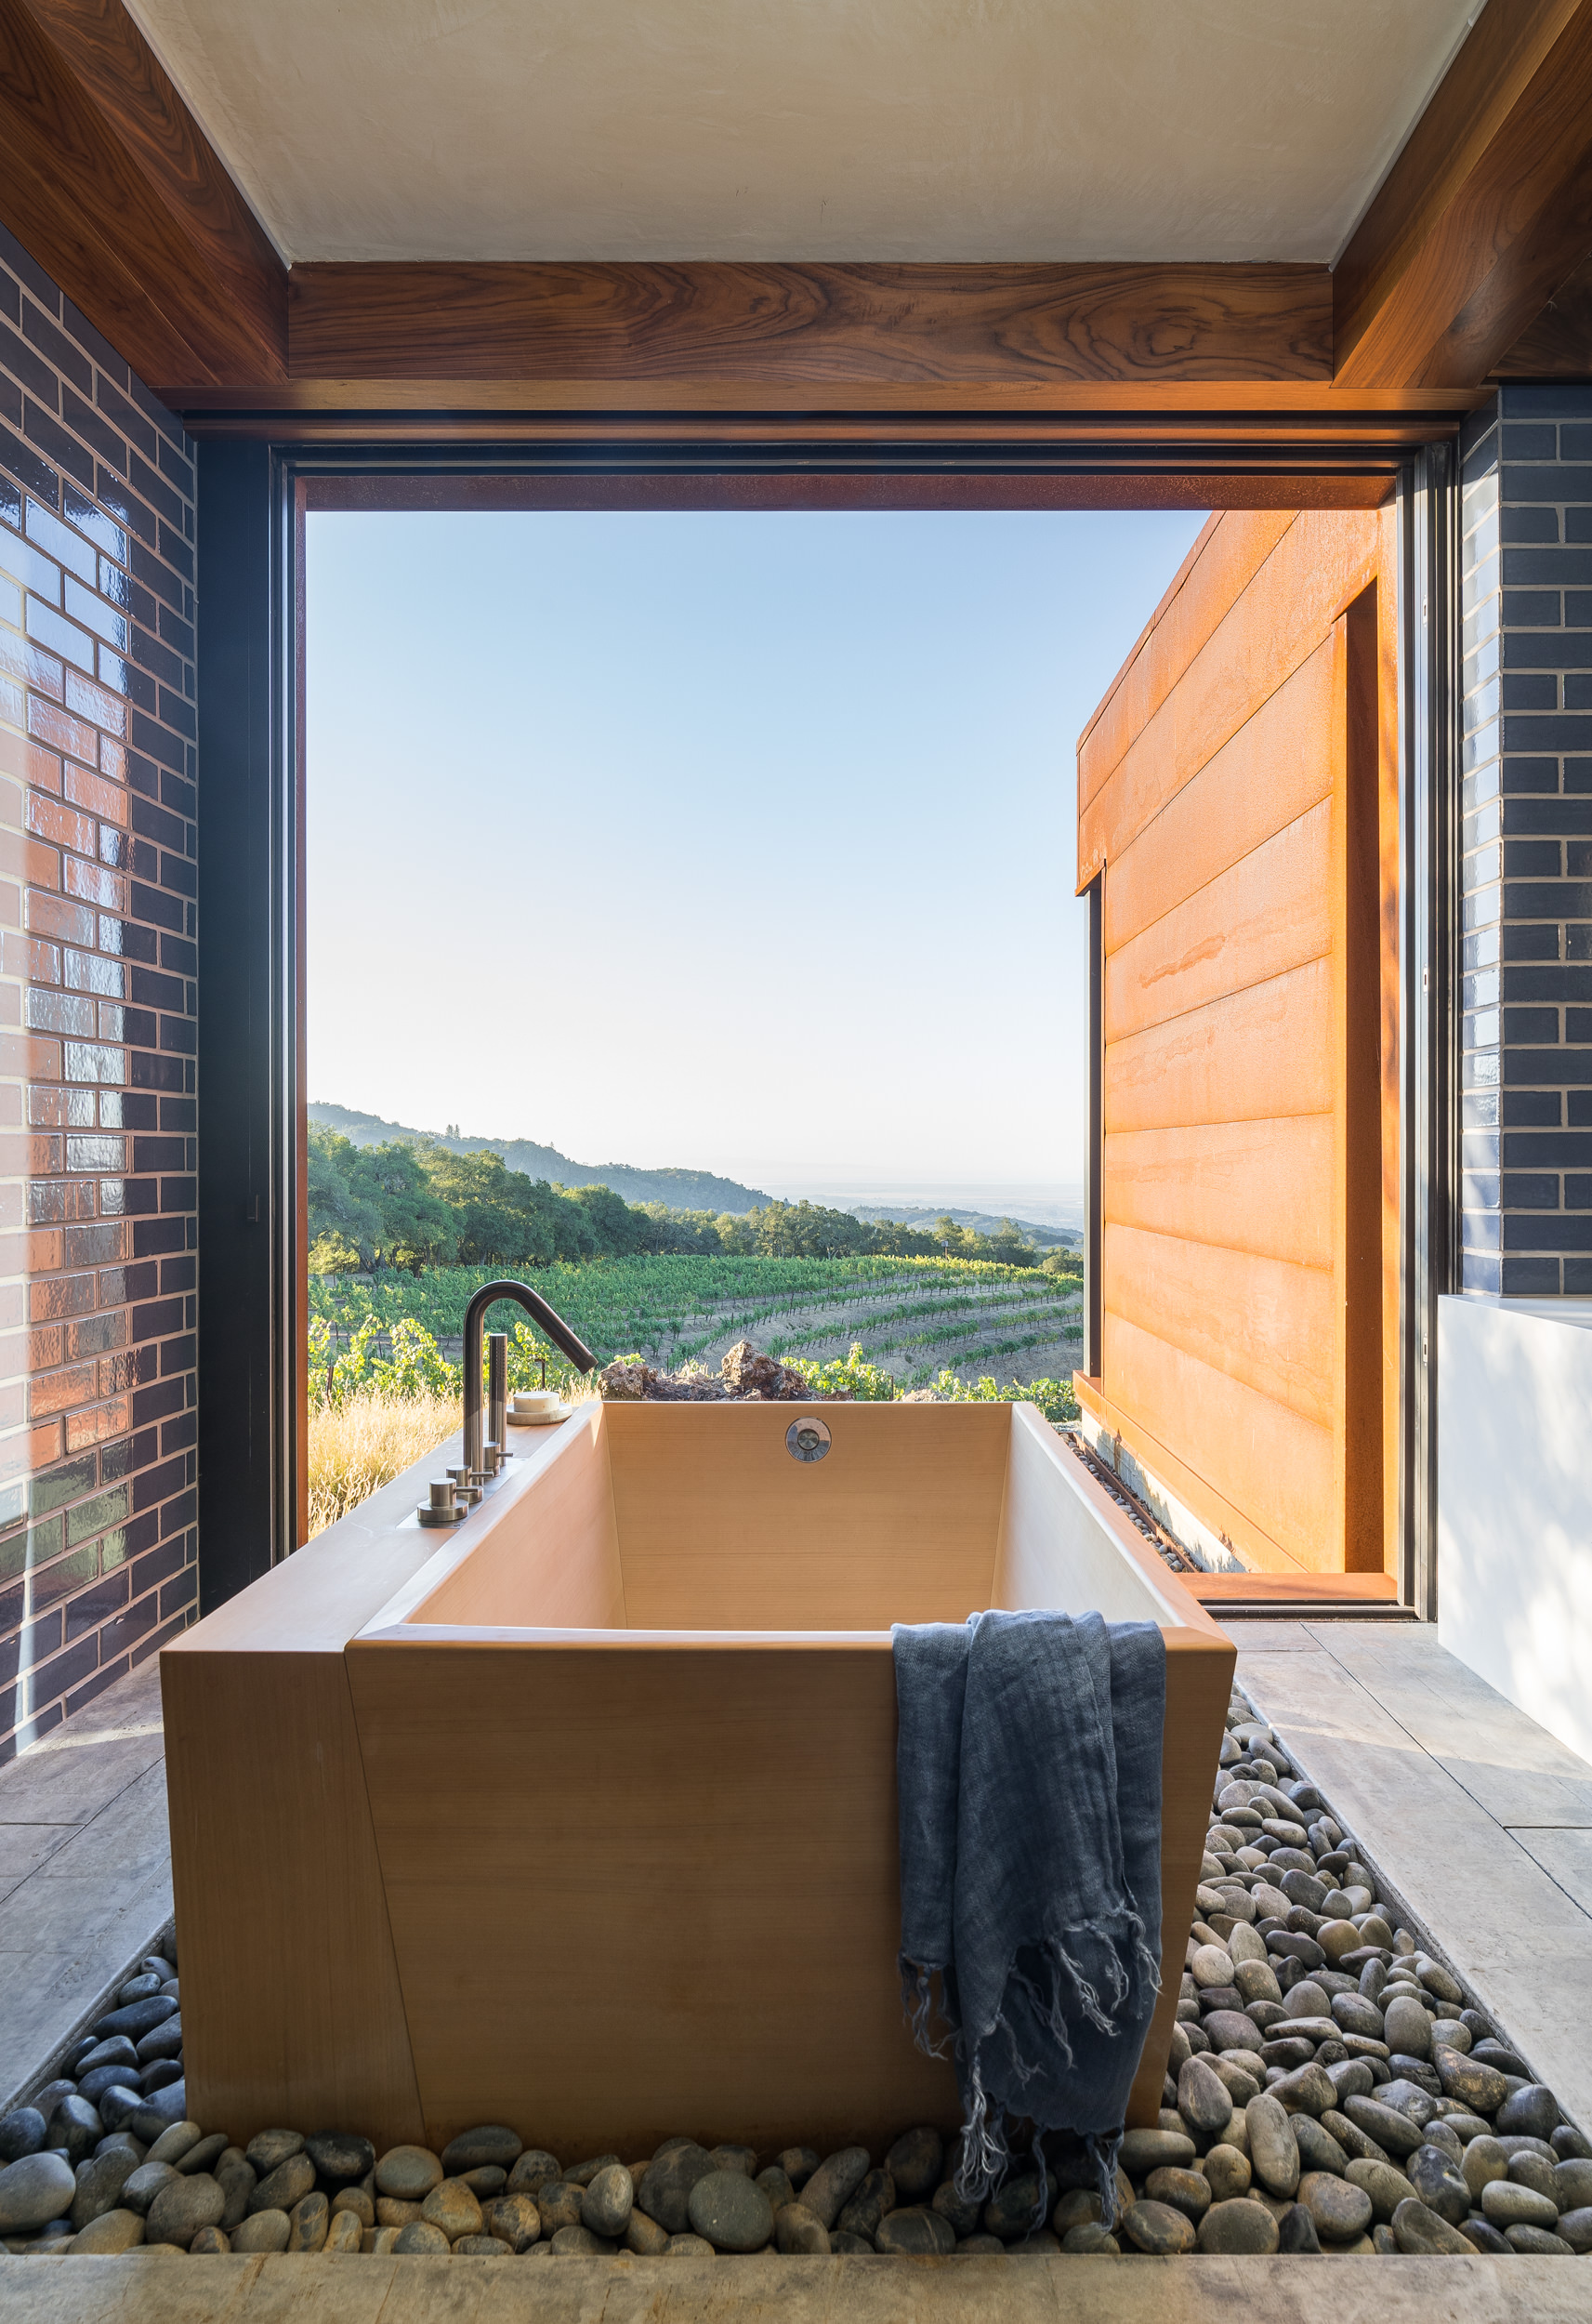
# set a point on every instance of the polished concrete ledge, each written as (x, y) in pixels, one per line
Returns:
(346, 2288)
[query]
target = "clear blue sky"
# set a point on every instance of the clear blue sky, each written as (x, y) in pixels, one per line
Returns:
(744, 842)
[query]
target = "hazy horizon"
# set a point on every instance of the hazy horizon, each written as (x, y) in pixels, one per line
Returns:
(757, 831)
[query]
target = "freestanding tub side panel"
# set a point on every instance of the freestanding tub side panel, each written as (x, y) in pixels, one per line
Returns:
(291, 2007)
(644, 1890)
(1199, 1679)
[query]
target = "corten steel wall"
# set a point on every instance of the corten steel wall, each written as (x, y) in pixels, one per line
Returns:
(1527, 843)
(1238, 787)
(98, 1237)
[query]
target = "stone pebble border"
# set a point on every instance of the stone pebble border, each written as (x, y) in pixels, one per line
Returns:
(1329, 2092)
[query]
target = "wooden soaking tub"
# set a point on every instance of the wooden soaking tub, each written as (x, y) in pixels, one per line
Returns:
(582, 1817)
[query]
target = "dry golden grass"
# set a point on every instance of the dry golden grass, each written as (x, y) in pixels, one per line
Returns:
(363, 1446)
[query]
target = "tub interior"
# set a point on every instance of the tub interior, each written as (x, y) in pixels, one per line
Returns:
(696, 1518)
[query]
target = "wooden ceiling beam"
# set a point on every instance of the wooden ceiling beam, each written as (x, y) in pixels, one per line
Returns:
(678, 333)
(1484, 215)
(112, 188)
(1557, 343)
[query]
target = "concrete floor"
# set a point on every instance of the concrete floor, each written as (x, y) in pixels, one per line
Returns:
(85, 1869)
(350, 2289)
(1478, 1820)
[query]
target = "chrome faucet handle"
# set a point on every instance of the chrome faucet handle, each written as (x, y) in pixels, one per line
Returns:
(467, 1484)
(444, 1508)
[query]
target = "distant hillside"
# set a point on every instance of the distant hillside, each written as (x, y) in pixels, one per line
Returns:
(682, 1190)
(980, 1221)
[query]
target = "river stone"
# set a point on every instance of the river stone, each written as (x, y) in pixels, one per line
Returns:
(139, 2017)
(731, 2211)
(1092, 2241)
(341, 2155)
(100, 2185)
(1244, 1943)
(1211, 1965)
(182, 2207)
(1187, 2191)
(1256, 1981)
(119, 2106)
(268, 2149)
(984, 2247)
(1018, 2207)
(408, 2172)
(1393, 2132)
(799, 2163)
(1273, 2152)
(776, 2186)
(1305, 1998)
(1143, 2151)
(309, 2223)
(1303, 1888)
(1340, 2211)
(1575, 2226)
(1534, 2110)
(1357, 2016)
(797, 2233)
(533, 2170)
(1236, 2226)
(1438, 2181)
(202, 2155)
(75, 2129)
(235, 2175)
(732, 2158)
(560, 2205)
(1419, 2231)
(1475, 2083)
(915, 2162)
(690, 2247)
(344, 2232)
(1229, 2029)
(1227, 2172)
(605, 2203)
(1532, 2172)
(114, 2051)
(107, 2234)
(1318, 2148)
(33, 2190)
(1573, 2183)
(874, 2200)
(287, 2185)
(352, 2199)
(1508, 2204)
(1305, 2090)
(21, 2133)
(1387, 2187)
(1405, 2027)
(140, 2186)
(515, 2220)
(914, 2232)
(487, 2143)
(176, 2145)
(451, 2207)
(960, 2213)
(420, 2238)
(642, 2236)
(1541, 2240)
(664, 2192)
(1569, 2144)
(1203, 2099)
(581, 2174)
(1156, 2227)
(835, 2182)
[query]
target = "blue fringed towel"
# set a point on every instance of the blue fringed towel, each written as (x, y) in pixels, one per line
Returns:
(1029, 1770)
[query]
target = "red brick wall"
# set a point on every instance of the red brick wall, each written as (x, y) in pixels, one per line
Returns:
(98, 1232)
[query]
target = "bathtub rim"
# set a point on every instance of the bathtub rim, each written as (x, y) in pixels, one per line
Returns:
(1183, 1621)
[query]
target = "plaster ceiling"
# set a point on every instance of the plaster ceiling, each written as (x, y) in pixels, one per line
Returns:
(767, 129)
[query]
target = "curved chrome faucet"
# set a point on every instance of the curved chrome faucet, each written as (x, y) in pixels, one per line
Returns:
(536, 1307)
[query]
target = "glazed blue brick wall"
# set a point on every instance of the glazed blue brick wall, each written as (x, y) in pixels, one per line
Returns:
(1526, 961)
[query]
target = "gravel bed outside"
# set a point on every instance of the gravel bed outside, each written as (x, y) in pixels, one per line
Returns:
(1332, 2091)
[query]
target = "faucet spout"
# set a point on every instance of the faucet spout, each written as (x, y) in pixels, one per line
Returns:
(536, 1307)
